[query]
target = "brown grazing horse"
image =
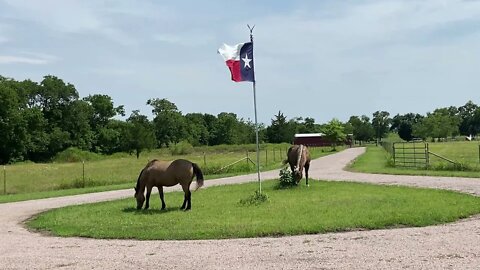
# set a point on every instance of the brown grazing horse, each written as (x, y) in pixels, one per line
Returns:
(298, 157)
(167, 173)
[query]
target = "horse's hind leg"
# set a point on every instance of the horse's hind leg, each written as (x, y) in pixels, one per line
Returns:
(149, 191)
(187, 201)
(160, 191)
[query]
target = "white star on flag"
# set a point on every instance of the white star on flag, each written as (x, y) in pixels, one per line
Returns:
(247, 61)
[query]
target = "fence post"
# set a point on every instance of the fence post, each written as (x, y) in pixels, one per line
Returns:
(274, 155)
(4, 179)
(414, 156)
(393, 152)
(83, 173)
(248, 165)
(427, 155)
(204, 159)
(266, 156)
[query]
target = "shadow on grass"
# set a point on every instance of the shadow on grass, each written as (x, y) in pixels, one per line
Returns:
(134, 210)
(281, 186)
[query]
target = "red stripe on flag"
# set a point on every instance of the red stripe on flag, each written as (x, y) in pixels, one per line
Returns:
(234, 67)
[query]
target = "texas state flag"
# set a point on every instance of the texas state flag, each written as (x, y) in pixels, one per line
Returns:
(239, 59)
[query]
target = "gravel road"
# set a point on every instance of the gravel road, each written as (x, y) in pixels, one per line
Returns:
(450, 246)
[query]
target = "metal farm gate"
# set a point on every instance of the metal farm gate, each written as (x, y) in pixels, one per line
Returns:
(411, 154)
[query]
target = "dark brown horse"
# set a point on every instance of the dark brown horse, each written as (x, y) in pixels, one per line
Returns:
(298, 157)
(167, 173)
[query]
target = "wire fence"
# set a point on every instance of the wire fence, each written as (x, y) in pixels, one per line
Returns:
(34, 177)
(450, 156)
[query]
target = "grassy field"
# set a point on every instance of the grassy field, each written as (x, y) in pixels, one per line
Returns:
(377, 160)
(30, 180)
(464, 152)
(216, 212)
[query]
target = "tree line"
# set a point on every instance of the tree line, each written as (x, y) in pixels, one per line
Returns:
(441, 124)
(40, 119)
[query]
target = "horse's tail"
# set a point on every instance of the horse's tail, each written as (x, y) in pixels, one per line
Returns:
(198, 174)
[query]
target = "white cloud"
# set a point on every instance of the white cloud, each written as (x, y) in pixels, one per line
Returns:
(65, 16)
(71, 16)
(8, 59)
(28, 58)
(331, 52)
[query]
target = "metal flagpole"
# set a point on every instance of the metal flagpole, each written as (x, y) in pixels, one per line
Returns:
(256, 124)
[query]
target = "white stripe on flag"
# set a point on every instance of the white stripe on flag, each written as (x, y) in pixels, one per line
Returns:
(230, 52)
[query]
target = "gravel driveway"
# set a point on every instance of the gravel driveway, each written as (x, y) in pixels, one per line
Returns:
(451, 246)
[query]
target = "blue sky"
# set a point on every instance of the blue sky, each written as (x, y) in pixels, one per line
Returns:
(320, 59)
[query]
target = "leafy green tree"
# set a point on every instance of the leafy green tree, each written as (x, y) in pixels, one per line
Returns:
(468, 123)
(197, 129)
(38, 138)
(210, 122)
(439, 124)
(280, 129)
(306, 125)
(76, 118)
(335, 132)
(403, 125)
(13, 128)
(101, 113)
(224, 131)
(309, 124)
(380, 123)
(54, 97)
(139, 134)
(362, 128)
(475, 122)
(170, 124)
(103, 110)
(110, 138)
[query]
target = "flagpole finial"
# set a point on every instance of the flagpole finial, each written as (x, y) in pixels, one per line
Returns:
(251, 31)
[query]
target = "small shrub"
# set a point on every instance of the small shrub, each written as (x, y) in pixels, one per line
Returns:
(390, 161)
(255, 199)
(181, 148)
(286, 178)
(73, 154)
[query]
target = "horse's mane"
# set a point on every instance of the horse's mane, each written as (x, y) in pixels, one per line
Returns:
(140, 175)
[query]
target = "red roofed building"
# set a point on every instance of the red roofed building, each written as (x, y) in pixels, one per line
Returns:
(316, 139)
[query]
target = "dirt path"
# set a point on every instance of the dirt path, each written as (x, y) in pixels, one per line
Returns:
(451, 246)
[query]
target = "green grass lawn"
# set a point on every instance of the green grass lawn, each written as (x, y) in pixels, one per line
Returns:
(376, 160)
(26, 181)
(216, 212)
